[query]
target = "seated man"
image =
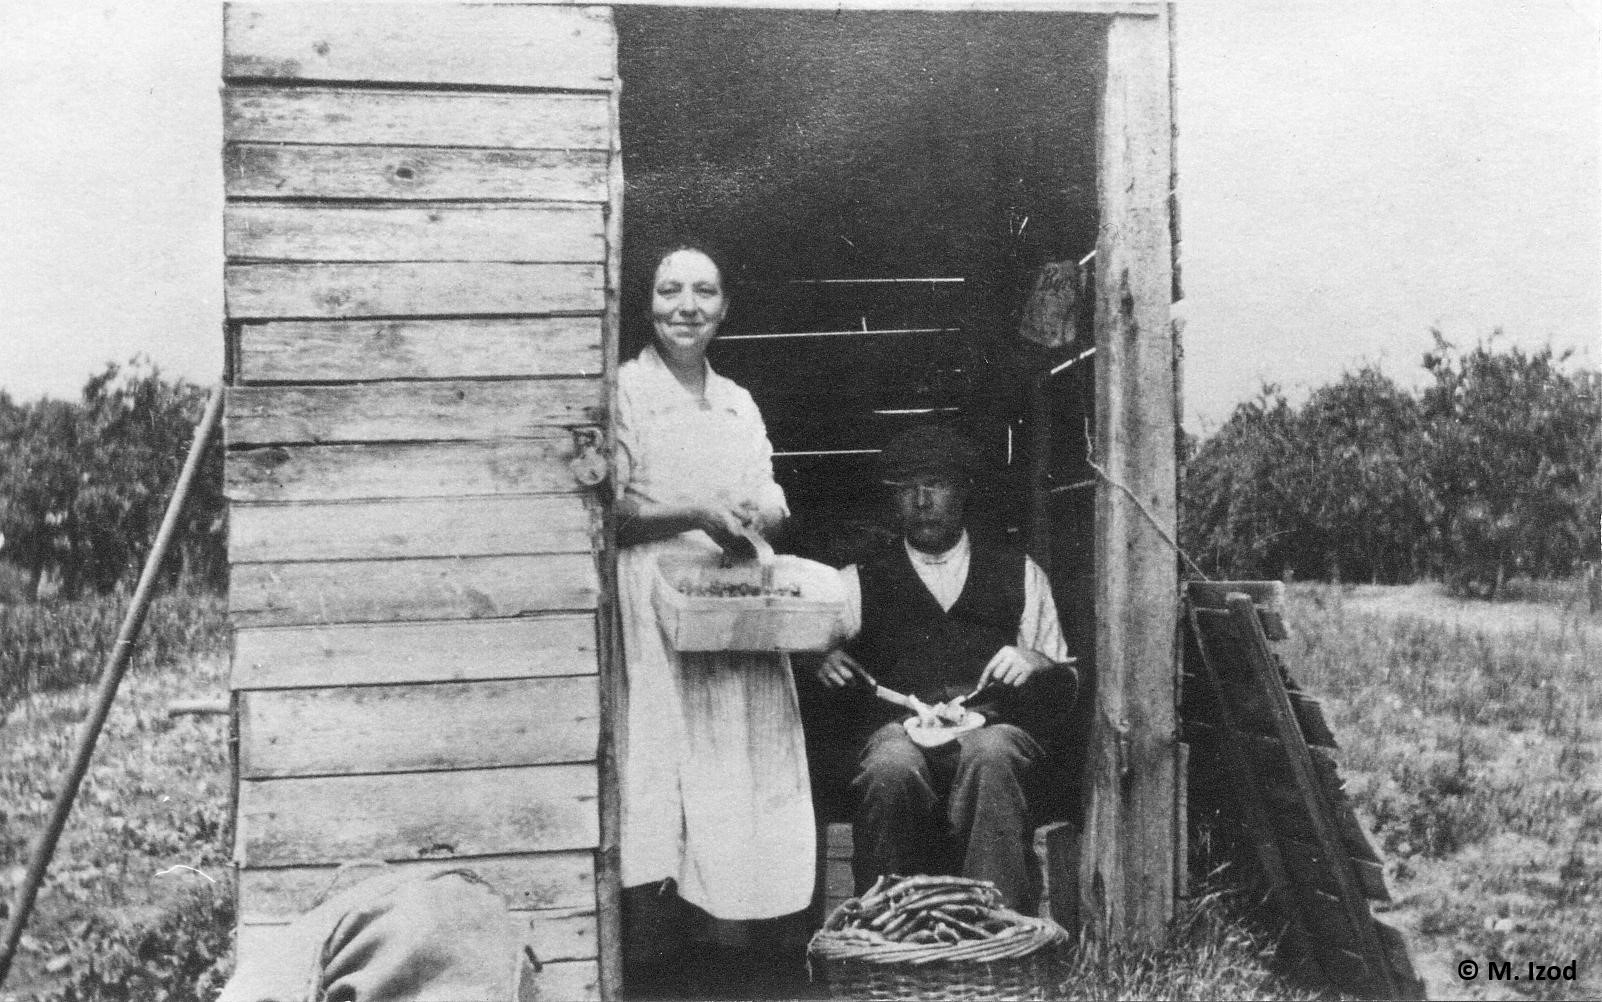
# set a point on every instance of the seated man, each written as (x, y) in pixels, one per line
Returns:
(937, 615)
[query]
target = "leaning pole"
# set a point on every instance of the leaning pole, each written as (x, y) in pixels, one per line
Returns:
(110, 678)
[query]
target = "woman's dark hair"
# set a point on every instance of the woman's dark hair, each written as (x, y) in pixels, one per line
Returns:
(661, 252)
(636, 305)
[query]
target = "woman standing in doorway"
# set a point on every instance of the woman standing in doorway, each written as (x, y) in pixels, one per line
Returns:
(716, 804)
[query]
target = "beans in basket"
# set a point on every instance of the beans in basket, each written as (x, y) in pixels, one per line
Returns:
(924, 909)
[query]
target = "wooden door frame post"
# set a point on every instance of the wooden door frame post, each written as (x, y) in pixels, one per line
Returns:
(1127, 866)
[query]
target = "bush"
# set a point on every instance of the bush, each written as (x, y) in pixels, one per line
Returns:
(83, 486)
(1491, 471)
(184, 954)
(61, 643)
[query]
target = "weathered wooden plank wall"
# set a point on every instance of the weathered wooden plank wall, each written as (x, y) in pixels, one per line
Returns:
(419, 257)
(1127, 877)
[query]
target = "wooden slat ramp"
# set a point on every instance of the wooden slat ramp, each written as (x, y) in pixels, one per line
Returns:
(1264, 777)
(420, 288)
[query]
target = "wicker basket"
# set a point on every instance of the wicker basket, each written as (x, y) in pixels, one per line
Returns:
(1024, 963)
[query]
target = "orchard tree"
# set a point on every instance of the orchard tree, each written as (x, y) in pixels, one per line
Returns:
(38, 483)
(1514, 462)
(1240, 512)
(84, 486)
(1366, 503)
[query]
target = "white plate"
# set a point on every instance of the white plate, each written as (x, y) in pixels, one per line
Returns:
(934, 737)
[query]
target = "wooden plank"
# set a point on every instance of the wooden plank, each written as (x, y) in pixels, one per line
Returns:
(266, 170)
(1314, 800)
(1401, 963)
(439, 288)
(1245, 786)
(1269, 756)
(555, 935)
(573, 981)
(355, 472)
(1127, 868)
(439, 232)
(415, 118)
(1310, 717)
(1100, 8)
(1214, 594)
(608, 618)
(453, 410)
(1328, 922)
(375, 591)
(531, 880)
(839, 841)
(329, 819)
(565, 48)
(410, 728)
(1308, 866)
(361, 530)
(296, 351)
(381, 653)
(559, 934)
(1291, 820)
(563, 981)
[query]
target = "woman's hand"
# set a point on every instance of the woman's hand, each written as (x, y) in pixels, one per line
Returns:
(725, 523)
(838, 670)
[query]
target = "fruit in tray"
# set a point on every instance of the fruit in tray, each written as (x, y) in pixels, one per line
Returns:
(943, 715)
(714, 588)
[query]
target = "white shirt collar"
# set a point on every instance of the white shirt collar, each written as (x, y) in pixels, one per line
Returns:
(958, 550)
(718, 389)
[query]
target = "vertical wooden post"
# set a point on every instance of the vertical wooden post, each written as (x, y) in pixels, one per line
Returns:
(1127, 868)
(1040, 418)
(613, 694)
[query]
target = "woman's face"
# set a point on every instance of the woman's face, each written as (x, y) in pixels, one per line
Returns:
(687, 303)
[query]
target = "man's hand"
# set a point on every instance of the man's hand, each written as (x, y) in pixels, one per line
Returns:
(1013, 666)
(838, 669)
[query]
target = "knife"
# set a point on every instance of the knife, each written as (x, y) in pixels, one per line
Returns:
(918, 706)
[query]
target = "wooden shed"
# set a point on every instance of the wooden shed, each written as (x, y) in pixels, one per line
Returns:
(438, 216)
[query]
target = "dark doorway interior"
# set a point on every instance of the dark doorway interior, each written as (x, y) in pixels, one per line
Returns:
(881, 188)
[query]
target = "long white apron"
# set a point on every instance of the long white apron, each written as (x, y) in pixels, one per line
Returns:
(715, 787)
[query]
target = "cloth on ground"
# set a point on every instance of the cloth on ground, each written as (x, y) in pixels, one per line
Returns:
(394, 937)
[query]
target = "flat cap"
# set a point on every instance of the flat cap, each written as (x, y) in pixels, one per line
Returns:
(929, 450)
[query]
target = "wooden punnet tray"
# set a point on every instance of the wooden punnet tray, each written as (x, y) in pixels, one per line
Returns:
(749, 623)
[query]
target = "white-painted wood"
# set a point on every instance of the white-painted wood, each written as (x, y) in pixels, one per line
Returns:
(454, 410)
(409, 728)
(380, 653)
(270, 170)
(406, 288)
(378, 591)
(511, 45)
(298, 351)
(332, 819)
(415, 118)
(437, 232)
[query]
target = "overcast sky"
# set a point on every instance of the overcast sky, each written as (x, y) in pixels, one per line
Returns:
(1351, 174)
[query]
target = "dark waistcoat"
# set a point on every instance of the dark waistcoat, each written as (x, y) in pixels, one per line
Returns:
(912, 645)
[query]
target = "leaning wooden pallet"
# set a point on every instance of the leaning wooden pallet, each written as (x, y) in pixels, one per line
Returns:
(1273, 746)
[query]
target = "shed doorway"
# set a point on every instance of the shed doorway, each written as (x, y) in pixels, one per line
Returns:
(882, 189)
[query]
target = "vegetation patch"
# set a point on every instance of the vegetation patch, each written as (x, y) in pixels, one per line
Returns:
(1470, 744)
(119, 917)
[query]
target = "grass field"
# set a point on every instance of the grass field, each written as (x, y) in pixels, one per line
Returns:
(1471, 741)
(1470, 746)
(114, 920)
